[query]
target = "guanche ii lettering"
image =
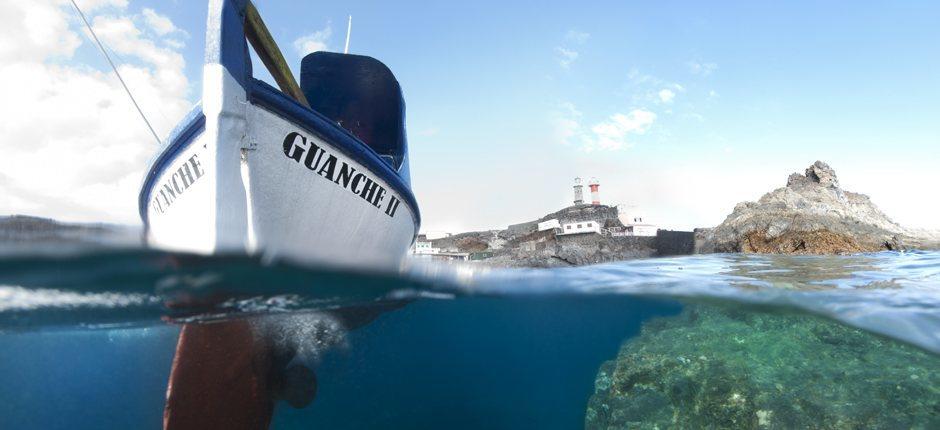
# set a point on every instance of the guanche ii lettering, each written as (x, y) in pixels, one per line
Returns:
(177, 184)
(316, 159)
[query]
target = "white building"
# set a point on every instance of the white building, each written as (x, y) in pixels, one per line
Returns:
(633, 222)
(635, 230)
(580, 227)
(548, 225)
(424, 248)
(635, 227)
(642, 229)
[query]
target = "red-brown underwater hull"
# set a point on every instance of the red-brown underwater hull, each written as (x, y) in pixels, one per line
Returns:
(220, 379)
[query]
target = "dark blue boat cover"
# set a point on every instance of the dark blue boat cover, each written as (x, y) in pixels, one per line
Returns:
(362, 95)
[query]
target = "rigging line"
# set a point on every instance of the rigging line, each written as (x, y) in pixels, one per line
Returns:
(113, 67)
(121, 60)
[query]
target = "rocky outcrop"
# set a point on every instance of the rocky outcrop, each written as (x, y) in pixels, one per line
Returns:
(812, 214)
(725, 368)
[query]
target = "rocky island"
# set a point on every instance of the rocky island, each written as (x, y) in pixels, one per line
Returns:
(812, 214)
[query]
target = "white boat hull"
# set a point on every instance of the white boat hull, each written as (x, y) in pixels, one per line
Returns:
(247, 173)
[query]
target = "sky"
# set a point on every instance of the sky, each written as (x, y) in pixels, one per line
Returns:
(680, 109)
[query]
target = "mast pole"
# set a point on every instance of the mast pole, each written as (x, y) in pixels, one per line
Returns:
(263, 43)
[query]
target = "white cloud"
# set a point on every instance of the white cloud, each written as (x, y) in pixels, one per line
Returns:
(122, 34)
(576, 36)
(565, 123)
(428, 132)
(666, 95)
(316, 41)
(73, 146)
(160, 24)
(91, 5)
(174, 44)
(704, 69)
(611, 134)
(638, 78)
(33, 31)
(614, 133)
(647, 89)
(566, 56)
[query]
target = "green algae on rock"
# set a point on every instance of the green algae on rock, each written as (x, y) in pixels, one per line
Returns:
(723, 368)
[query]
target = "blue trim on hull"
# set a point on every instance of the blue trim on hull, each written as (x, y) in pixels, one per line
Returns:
(179, 139)
(264, 95)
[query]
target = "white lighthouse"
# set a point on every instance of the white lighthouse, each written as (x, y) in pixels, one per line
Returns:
(595, 193)
(578, 192)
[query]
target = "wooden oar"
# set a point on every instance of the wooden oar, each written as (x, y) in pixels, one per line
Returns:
(260, 38)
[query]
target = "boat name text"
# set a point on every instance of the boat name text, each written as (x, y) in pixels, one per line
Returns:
(177, 184)
(318, 160)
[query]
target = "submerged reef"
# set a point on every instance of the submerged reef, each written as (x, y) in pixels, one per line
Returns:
(724, 368)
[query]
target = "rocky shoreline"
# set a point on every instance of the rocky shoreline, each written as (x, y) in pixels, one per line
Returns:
(523, 245)
(812, 214)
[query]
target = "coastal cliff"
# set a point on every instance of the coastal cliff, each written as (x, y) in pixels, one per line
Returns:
(812, 214)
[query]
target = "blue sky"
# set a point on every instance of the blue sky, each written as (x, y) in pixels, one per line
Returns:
(681, 109)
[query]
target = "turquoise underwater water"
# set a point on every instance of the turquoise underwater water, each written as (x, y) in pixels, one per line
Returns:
(720, 341)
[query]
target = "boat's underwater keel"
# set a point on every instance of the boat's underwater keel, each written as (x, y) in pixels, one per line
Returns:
(220, 379)
(227, 375)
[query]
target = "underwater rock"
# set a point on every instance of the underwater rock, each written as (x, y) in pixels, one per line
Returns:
(724, 368)
(811, 215)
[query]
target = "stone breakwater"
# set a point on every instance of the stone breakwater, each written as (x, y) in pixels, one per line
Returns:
(812, 214)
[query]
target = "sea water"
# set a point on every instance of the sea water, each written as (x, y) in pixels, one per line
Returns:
(720, 341)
